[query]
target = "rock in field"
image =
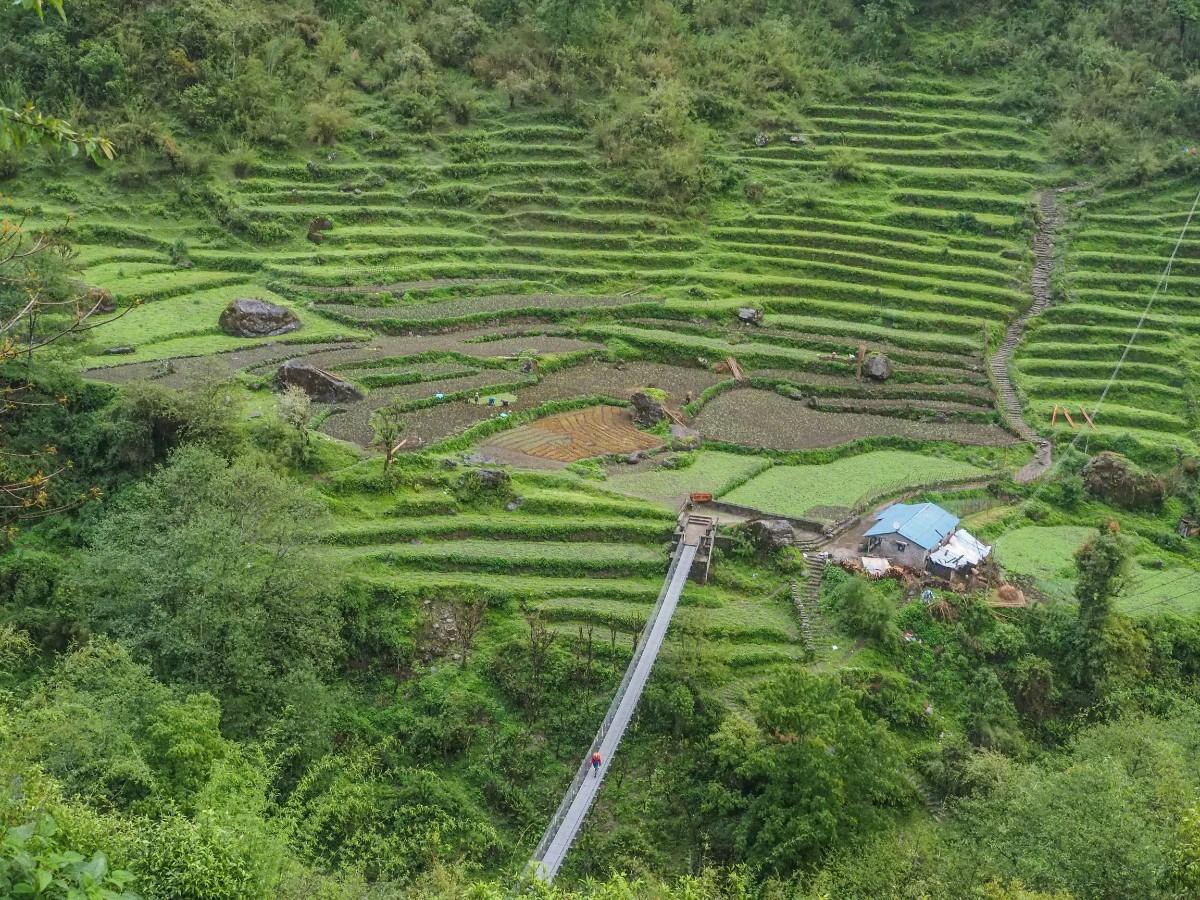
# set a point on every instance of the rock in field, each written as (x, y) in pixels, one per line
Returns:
(684, 438)
(770, 535)
(646, 410)
(317, 228)
(322, 386)
(1112, 477)
(101, 300)
(493, 479)
(748, 315)
(252, 317)
(878, 367)
(120, 351)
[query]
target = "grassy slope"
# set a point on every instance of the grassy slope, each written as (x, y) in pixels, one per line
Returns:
(801, 490)
(931, 224)
(922, 254)
(1118, 248)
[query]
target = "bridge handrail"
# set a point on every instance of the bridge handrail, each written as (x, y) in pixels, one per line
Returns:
(568, 798)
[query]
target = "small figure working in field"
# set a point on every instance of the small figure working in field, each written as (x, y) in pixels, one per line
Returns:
(596, 763)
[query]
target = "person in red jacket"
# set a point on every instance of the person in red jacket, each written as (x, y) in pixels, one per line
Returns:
(596, 763)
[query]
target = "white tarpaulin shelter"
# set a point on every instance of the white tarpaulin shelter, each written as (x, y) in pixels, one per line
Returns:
(961, 551)
(876, 566)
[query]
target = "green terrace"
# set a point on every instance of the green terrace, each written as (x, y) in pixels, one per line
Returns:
(576, 554)
(516, 221)
(1114, 263)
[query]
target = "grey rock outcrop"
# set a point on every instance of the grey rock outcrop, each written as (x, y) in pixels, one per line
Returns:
(100, 299)
(253, 317)
(684, 438)
(322, 386)
(878, 367)
(646, 410)
(1112, 477)
(770, 535)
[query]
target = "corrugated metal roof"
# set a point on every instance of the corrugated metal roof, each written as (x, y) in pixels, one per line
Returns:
(963, 549)
(925, 524)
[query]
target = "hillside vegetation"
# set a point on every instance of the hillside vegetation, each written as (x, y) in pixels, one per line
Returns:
(567, 263)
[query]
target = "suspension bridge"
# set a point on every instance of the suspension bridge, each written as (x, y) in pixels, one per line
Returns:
(693, 549)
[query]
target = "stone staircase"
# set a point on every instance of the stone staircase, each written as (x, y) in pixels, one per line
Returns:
(1010, 403)
(936, 808)
(809, 545)
(807, 597)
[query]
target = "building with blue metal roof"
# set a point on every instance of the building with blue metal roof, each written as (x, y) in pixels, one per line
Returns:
(907, 533)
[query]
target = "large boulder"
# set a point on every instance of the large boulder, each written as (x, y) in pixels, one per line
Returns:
(1112, 477)
(322, 386)
(252, 317)
(100, 300)
(878, 367)
(748, 315)
(493, 479)
(317, 228)
(647, 410)
(770, 535)
(684, 438)
(490, 485)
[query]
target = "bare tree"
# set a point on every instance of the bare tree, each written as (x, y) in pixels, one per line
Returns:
(388, 424)
(468, 617)
(295, 409)
(540, 639)
(585, 655)
(37, 319)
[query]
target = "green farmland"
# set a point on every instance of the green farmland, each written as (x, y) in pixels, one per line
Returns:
(360, 364)
(830, 490)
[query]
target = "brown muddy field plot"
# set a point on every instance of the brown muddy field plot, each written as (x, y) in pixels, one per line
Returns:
(756, 418)
(572, 436)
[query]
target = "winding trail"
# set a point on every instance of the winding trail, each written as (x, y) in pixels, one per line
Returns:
(1010, 403)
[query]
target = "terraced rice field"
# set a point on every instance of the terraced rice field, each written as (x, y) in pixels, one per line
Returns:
(757, 418)
(1114, 261)
(571, 436)
(921, 255)
(1045, 555)
(711, 471)
(572, 553)
(830, 491)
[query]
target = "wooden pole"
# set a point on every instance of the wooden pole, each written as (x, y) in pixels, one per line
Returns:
(1087, 417)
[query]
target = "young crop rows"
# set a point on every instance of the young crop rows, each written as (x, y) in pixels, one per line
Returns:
(899, 221)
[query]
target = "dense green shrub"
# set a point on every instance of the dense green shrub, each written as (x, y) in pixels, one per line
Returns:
(326, 121)
(863, 610)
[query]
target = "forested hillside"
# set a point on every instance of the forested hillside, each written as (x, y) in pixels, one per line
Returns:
(357, 358)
